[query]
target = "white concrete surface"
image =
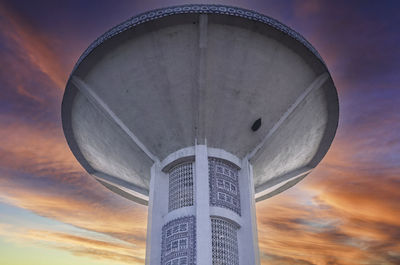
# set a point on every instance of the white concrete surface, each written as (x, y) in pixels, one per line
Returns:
(186, 84)
(202, 204)
(201, 209)
(158, 88)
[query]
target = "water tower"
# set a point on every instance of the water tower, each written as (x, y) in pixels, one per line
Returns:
(199, 111)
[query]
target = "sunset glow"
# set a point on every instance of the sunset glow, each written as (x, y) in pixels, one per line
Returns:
(345, 212)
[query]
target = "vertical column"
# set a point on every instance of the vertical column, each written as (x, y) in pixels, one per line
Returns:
(202, 205)
(201, 82)
(248, 243)
(158, 206)
(253, 216)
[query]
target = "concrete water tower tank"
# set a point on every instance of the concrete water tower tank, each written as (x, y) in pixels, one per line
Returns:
(199, 111)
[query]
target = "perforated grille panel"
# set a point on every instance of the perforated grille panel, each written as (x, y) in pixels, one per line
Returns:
(178, 246)
(224, 242)
(180, 186)
(224, 185)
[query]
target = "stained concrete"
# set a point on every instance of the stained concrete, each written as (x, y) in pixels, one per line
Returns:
(172, 82)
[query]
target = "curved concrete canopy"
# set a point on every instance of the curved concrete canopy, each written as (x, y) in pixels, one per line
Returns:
(164, 79)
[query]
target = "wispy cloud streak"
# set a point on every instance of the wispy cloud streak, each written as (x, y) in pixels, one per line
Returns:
(346, 212)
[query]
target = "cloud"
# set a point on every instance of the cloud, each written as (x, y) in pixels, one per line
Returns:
(345, 211)
(357, 39)
(271, 259)
(77, 199)
(300, 242)
(39, 173)
(34, 148)
(111, 250)
(37, 170)
(37, 47)
(306, 8)
(108, 255)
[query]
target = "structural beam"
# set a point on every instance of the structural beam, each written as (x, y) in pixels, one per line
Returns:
(91, 95)
(279, 184)
(122, 187)
(200, 87)
(317, 83)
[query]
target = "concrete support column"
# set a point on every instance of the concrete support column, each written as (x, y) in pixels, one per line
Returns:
(158, 207)
(202, 205)
(183, 232)
(248, 232)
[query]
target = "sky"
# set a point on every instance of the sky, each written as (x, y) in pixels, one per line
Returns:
(347, 211)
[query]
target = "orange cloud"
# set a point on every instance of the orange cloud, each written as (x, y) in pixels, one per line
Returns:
(345, 212)
(339, 214)
(78, 245)
(36, 46)
(306, 8)
(36, 148)
(39, 173)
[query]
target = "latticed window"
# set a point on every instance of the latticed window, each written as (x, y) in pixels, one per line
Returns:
(224, 184)
(178, 245)
(180, 186)
(224, 242)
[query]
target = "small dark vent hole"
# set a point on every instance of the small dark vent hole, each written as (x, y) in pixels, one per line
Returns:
(256, 125)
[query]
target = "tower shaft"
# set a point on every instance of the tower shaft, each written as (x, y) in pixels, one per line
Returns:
(202, 210)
